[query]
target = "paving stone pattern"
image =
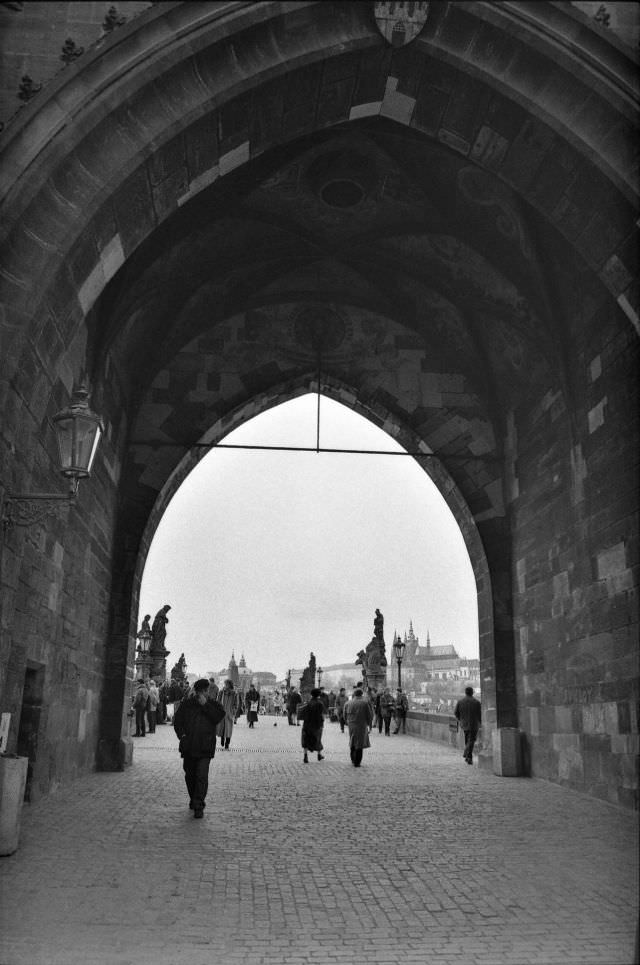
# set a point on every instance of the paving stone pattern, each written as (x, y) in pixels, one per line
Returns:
(415, 858)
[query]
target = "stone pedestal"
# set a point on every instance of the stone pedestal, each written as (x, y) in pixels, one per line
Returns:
(13, 780)
(377, 680)
(507, 752)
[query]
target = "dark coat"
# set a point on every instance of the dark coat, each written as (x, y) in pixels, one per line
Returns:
(359, 717)
(293, 700)
(312, 717)
(468, 711)
(195, 726)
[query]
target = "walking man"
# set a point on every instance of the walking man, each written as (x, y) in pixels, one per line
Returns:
(195, 724)
(468, 713)
(359, 720)
(293, 701)
(341, 701)
(402, 705)
(387, 710)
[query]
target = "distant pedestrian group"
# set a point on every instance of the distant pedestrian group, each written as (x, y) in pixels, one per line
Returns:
(207, 714)
(145, 705)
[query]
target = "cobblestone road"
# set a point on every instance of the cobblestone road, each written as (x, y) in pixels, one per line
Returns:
(413, 859)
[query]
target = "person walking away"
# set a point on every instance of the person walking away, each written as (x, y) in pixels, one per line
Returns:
(402, 706)
(387, 710)
(332, 706)
(341, 702)
(153, 701)
(214, 690)
(195, 723)
(293, 701)
(468, 713)
(324, 697)
(253, 702)
(312, 715)
(229, 700)
(359, 721)
(377, 711)
(240, 708)
(140, 699)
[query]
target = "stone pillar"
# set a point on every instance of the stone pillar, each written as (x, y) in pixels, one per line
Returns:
(507, 752)
(13, 780)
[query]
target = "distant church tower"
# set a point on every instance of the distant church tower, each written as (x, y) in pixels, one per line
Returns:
(234, 676)
(411, 641)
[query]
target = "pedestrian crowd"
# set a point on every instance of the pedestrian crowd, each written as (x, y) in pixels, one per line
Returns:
(207, 714)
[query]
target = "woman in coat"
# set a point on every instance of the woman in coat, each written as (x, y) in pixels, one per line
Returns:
(253, 702)
(229, 700)
(312, 717)
(359, 720)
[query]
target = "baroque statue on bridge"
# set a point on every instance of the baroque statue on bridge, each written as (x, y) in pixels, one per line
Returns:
(159, 628)
(374, 659)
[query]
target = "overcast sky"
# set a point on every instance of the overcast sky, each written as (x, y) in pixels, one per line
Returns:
(274, 554)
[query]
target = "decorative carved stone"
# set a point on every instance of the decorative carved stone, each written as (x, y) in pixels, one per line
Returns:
(400, 23)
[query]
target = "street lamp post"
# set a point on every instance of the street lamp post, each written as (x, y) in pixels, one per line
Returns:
(320, 672)
(398, 650)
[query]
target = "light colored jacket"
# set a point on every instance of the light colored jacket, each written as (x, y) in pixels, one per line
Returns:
(359, 717)
(229, 700)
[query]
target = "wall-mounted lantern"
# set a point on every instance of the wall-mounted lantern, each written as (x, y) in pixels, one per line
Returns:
(78, 430)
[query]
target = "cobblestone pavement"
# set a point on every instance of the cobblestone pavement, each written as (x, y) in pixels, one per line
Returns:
(413, 859)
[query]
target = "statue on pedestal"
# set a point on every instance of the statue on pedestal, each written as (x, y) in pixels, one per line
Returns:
(159, 628)
(308, 679)
(158, 650)
(374, 659)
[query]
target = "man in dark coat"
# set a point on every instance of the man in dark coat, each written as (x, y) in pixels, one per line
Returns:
(140, 699)
(359, 716)
(469, 715)
(293, 701)
(312, 716)
(195, 724)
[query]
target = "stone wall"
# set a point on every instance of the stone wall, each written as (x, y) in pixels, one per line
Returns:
(576, 564)
(56, 578)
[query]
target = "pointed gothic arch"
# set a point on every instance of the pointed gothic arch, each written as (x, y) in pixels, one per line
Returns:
(180, 194)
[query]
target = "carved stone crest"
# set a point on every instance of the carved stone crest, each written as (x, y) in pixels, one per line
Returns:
(400, 23)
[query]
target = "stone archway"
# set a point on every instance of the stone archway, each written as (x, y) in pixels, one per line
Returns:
(187, 206)
(430, 464)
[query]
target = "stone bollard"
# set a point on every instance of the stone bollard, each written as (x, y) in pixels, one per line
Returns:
(13, 780)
